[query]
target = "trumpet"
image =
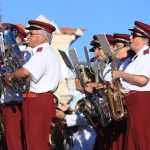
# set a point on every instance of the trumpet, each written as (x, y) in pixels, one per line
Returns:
(119, 48)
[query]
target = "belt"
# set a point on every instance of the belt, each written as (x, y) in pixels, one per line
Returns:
(130, 93)
(33, 95)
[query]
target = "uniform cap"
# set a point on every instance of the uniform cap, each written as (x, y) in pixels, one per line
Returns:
(39, 25)
(9, 25)
(124, 38)
(142, 28)
(20, 32)
(95, 42)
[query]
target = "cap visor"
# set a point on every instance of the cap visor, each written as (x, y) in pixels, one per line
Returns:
(131, 29)
(91, 50)
(32, 28)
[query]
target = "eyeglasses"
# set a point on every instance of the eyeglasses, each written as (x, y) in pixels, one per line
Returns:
(99, 48)
(31, 34)
(134, 35)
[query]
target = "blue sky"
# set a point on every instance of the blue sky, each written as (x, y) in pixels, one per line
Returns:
(96, 16)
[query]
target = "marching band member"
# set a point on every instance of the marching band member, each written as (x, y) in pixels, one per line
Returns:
(84, 137)
(102, 140)
(123, 56)
(135, 80)
(114, 134)
(43, 69)
(11, 107)
(99, 53)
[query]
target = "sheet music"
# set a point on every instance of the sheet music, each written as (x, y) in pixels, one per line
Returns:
(2, 49)
(66, 59)
(87, 57)
(105, 45)
(74, 57)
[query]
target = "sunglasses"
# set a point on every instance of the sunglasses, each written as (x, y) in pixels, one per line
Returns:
(97, 48)
(135, 34)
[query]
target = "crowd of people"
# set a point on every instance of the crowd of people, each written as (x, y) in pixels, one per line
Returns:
(36, 120)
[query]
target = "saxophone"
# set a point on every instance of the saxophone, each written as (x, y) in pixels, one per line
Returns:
(116, 97)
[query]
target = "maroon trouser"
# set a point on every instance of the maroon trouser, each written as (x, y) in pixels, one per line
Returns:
(38, 111)
(13, 126)
(138, 128)
(118, 134)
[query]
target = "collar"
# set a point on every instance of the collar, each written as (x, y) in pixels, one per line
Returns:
(35, 49)
(141, 52)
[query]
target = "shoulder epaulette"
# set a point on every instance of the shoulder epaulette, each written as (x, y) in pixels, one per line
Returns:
(40, 49)
(146, 51)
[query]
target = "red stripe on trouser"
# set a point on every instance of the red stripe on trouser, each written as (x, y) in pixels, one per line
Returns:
(37, 115)
(13, 126)
(138, 128)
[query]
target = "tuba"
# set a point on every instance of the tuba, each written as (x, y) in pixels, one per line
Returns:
(11, 58)
(95, 106)
(85, 107)
(95, 109)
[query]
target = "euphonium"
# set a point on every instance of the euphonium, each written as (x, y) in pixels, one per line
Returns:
(116, 97)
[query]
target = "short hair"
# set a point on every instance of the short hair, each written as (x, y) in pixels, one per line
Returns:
(47, 35)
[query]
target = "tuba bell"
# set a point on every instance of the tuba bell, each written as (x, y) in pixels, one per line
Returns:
(85, 107)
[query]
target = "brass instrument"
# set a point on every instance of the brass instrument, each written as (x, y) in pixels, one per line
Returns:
(95, 106)
(119, 48)
(84, 74)
(98, 100)
(85, 107)
(95, 109)
(114, 92)
(116, 97)
(11, 59)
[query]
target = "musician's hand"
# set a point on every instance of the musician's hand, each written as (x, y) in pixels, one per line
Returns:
(90, 86)
(116, 74)
(101, 86)
(78, 85)
(60, 114)
(8, 78)
(63, 106)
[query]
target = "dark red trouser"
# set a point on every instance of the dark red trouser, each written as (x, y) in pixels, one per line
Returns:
(118, 134)
(138, 128)
(13, 126)
(37, 115)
